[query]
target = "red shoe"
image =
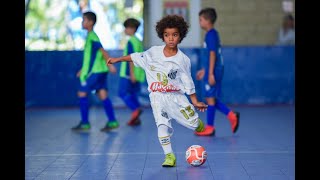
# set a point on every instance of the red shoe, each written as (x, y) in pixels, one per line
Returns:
(234, 118)
(135, 118)
(208, 131)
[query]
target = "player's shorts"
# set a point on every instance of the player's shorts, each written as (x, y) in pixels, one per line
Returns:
(169, 106)
(95, 81)
(215, 90)
(127, 87)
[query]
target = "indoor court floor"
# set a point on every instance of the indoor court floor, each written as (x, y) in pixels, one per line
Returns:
(262, 149)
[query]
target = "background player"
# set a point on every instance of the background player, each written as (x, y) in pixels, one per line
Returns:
(212, 73)
(93, 76)
(131, 77)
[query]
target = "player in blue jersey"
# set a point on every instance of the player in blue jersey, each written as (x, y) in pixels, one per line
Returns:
(212, 73)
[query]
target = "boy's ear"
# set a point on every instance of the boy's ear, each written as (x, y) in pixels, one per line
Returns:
(91, 23)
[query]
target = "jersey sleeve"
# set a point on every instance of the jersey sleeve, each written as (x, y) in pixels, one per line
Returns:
(186, 78)
(211, 41)
(139, 59)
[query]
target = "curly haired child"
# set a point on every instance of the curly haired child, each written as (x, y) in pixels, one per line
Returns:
(169, 79)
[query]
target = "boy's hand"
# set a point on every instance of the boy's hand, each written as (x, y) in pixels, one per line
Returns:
(112, 69)
(200, 106)
(78, 73)
(200, 74)
(212, 80)
(111, 61)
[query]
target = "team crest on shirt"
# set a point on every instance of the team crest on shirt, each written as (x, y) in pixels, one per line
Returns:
(164, 114)
(173, 73)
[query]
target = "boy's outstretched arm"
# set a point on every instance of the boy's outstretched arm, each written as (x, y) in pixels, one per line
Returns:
(199, 105)
(119, 59)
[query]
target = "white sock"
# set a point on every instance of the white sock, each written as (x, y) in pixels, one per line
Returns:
(164, 138)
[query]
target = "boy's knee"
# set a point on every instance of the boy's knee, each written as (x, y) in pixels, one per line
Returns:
(81, 94)
(102, 94)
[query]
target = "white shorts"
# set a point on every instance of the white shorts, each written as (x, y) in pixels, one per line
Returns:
(168, 106)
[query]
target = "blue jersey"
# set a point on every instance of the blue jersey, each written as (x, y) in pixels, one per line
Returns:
(212, 43)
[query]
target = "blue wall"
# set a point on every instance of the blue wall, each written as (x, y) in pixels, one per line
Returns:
(253, 75)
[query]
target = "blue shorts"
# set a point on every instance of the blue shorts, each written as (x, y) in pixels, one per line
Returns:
(127, 87)
(215, 90)
(95, 81)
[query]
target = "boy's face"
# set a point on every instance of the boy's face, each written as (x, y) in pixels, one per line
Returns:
(86, 23)
(129, 31)
(204, 23)
(171, 37)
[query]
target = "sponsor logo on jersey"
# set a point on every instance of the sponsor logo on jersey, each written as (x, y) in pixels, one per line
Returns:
(159, 87)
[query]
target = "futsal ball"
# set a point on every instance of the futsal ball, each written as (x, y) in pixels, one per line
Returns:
(196, 155)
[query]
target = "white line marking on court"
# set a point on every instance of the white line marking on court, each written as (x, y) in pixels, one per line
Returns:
(213, 152)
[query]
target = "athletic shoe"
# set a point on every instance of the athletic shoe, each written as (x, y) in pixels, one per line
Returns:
(110, 125)
(81, 127)
(134, 117)
(208, 131)
(169, 161)
(234, 118)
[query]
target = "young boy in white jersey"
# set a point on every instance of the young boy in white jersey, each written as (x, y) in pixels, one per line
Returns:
(169, 78)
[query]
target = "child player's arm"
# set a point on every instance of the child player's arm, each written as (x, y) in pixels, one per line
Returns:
(212, 61)
(104, 53)
(119, 59)
(132, 77)
(199, 105)
(106, 57)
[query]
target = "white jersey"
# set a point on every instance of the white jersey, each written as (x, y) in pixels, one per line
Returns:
(165, 74)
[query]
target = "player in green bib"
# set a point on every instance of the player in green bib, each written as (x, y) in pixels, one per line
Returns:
(93, 76)
(131, 77)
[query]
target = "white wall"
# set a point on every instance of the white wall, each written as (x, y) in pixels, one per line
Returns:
(193, 37)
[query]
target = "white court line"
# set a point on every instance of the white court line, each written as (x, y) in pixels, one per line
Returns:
(213, 152)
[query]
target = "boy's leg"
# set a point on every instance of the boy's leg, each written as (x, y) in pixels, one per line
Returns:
(127, 94)
(101, 87)
(211, 111)
(234, 117)
(165, 130)
(136, 87)
(134, 90)
(212, 92)
(164, 139)
(84, 107)
(180, 109)
(112, 123)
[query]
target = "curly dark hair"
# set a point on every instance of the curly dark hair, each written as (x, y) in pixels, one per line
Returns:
(172, 21)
